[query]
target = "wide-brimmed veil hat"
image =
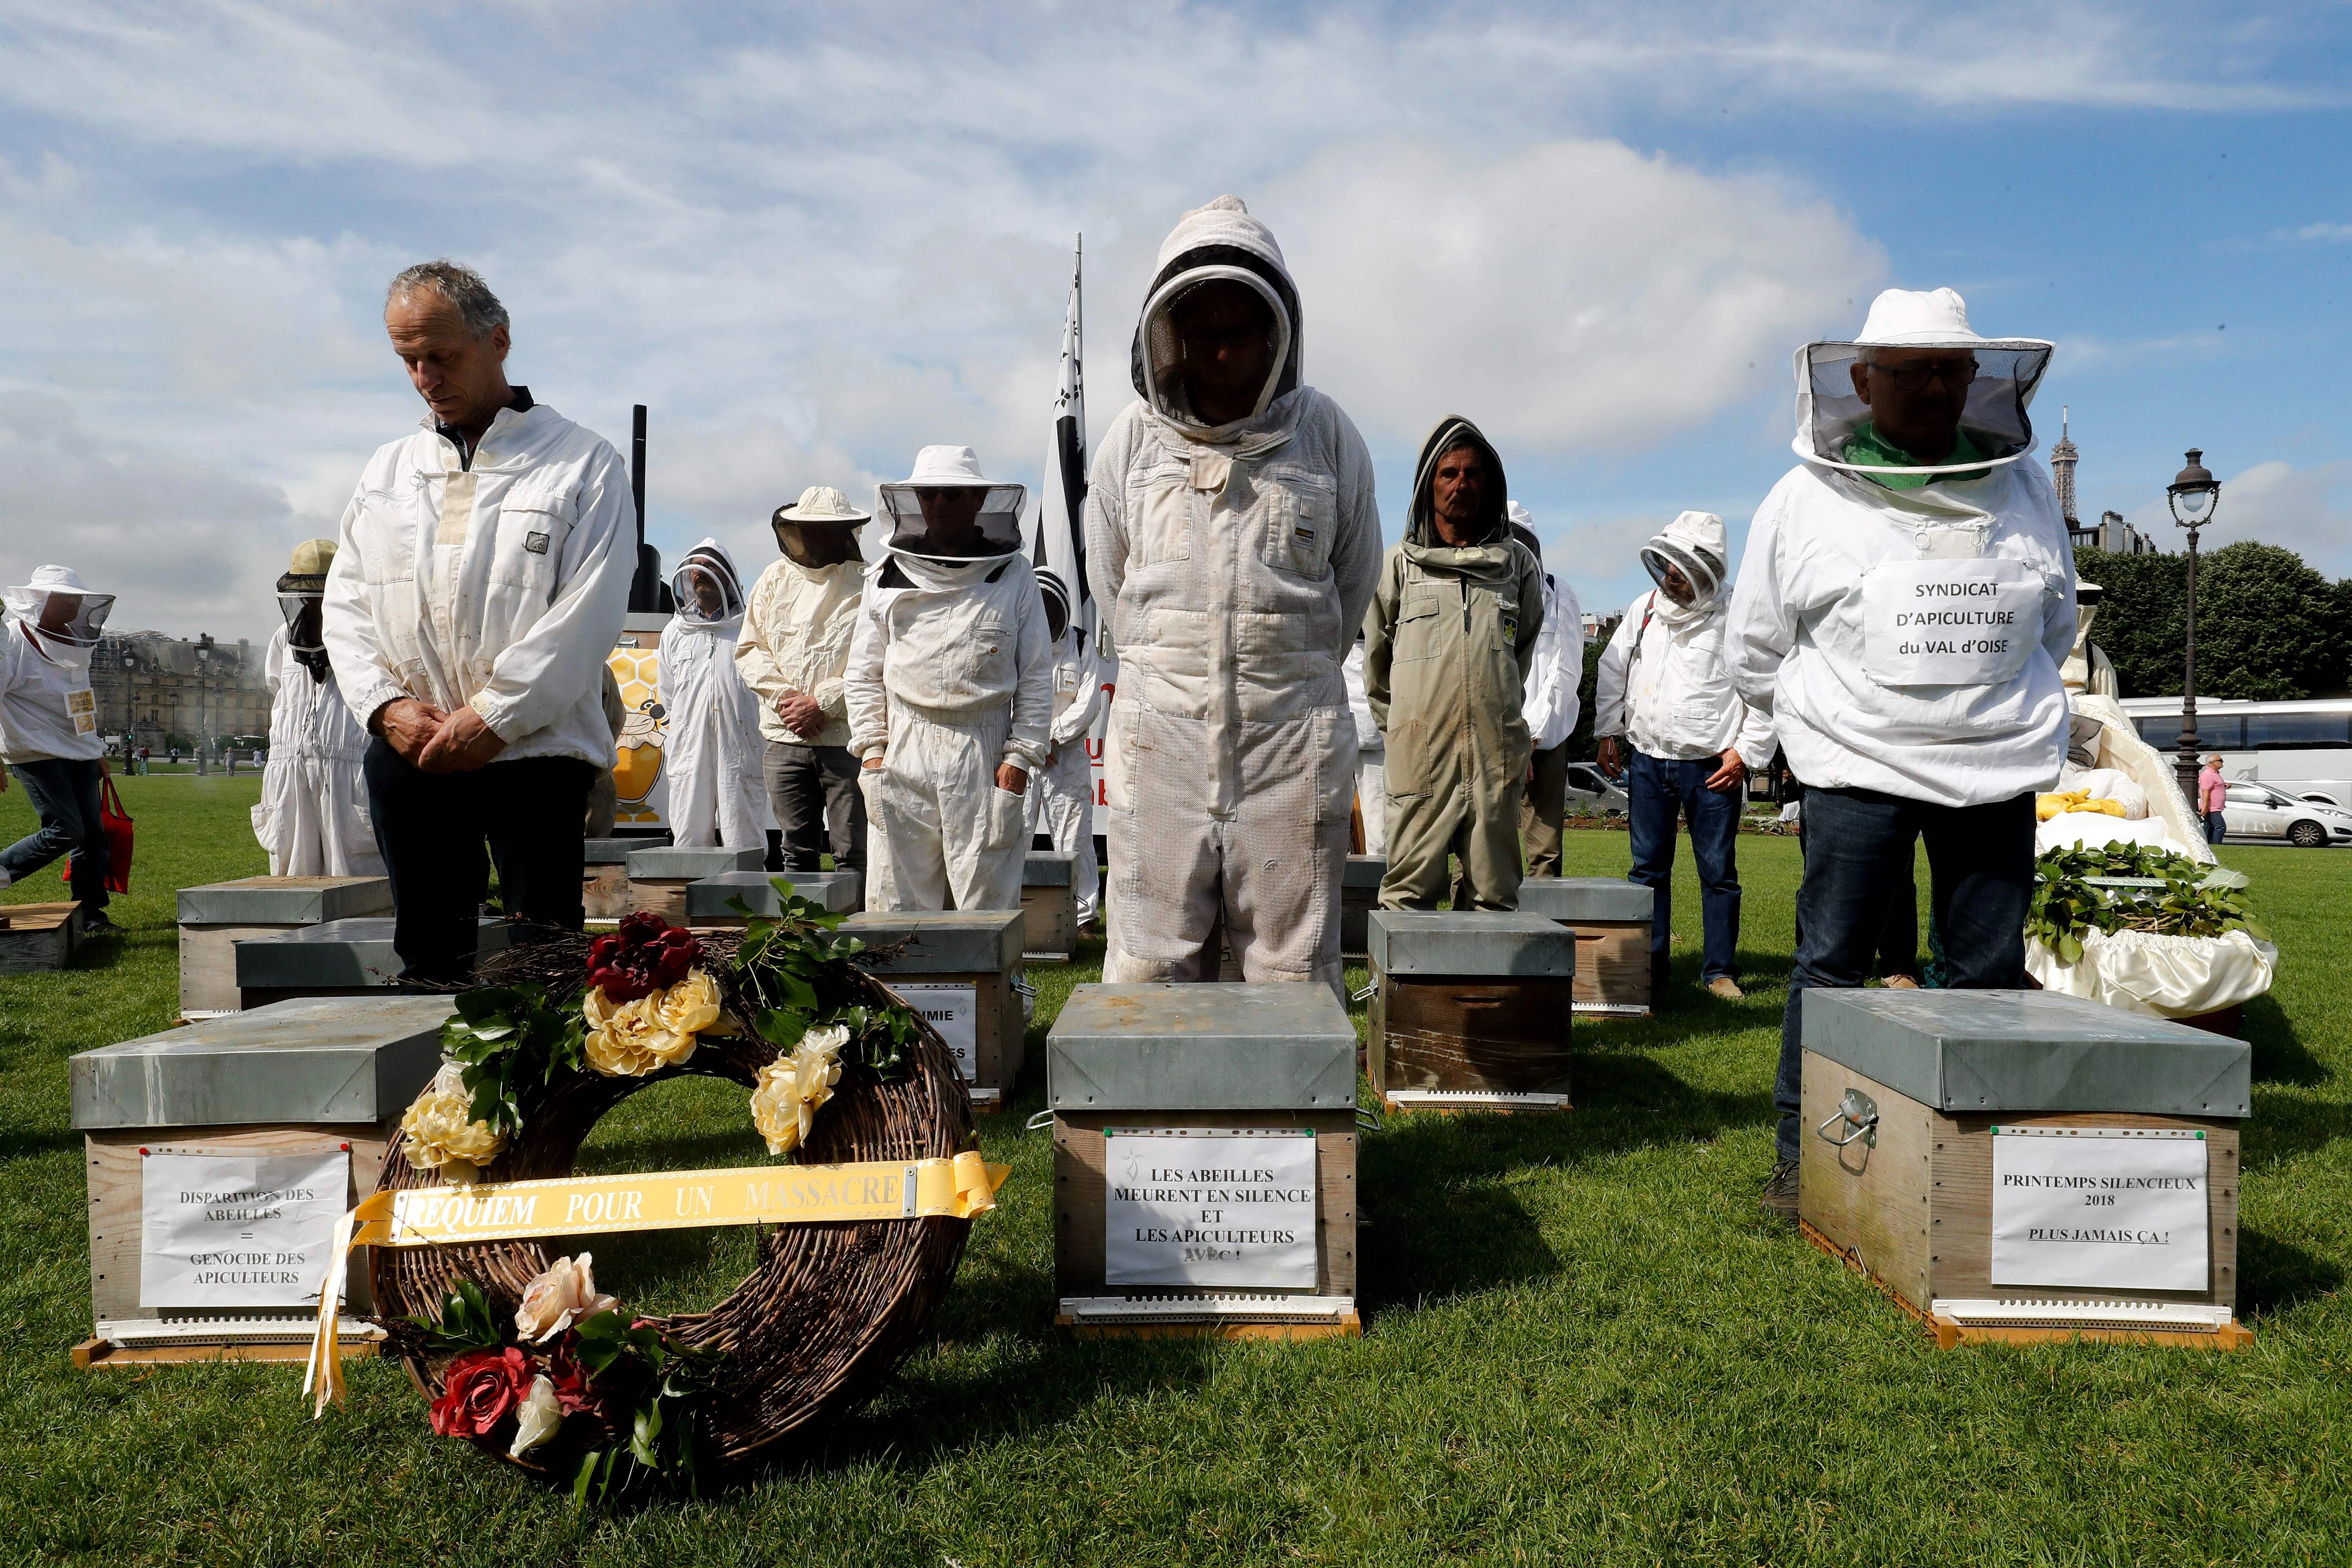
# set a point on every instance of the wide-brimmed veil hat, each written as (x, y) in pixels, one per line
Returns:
(29, 601)
(997, 521)
(823, 504)
(2009, 370)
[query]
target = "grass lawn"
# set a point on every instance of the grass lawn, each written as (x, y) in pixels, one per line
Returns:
(1582, 1346)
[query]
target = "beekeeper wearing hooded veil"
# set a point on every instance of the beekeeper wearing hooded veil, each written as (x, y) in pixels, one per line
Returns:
(48, 730)
(1453, 628)
(1667, 716)
(713, 751)
(1232, 529)
(312, 818)
(1905, 602)
(949, 690)
(1061, 796)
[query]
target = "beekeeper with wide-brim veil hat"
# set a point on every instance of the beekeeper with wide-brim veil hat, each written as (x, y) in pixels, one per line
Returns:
(1232, 536)
(312, 818)
(1904, 603)
(950, 690)
(712, 750)
(49, 729)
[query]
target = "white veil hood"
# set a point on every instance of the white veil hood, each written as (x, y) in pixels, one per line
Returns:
(2009, 371)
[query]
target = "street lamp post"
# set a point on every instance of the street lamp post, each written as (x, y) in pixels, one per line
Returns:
(203, 713)
(2194, 495)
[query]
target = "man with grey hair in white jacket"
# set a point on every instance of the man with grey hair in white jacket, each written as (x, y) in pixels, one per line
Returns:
(1904, 606)
(478, 587)
(1665, 710)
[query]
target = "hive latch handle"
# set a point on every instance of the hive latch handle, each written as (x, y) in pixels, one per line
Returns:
(1858, 1112)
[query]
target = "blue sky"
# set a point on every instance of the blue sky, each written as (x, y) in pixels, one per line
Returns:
(816, 239)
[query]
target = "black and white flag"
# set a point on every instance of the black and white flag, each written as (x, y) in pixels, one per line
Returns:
(1060, 546)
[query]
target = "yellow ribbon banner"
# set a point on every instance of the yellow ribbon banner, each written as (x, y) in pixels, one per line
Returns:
(959, 1188)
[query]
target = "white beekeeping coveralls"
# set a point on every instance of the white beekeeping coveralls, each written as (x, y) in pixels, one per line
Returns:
(713, 753)
(1663, 683)
(1236, 562)
(1966, 707)
(1552, 706)
(1062, 793)
(951, 674)
(1371, 753)
(312, 819)
(47, 708)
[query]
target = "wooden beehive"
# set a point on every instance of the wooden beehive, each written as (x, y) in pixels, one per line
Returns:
(1612, 919)
(604, 874)
(334, 958)
(711, 901)
(955, 960)
(1470, 1010)
(39, 936)
(301, 1078)
(1049, 906)
(214, 918)
(1915, 1100)
(658, 877)
(1266, 1070)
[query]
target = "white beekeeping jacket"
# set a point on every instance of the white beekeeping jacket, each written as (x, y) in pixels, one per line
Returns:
(1368, 738)
(1666, 686)
(953, 643)
(1556, 670)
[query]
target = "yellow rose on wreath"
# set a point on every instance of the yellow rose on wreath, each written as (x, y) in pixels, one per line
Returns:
(442, 1134)
(688, 1007)
(792, 1090)
(630, 1039)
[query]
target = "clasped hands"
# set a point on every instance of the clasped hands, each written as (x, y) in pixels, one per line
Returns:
(433, 741)
(1009, 779)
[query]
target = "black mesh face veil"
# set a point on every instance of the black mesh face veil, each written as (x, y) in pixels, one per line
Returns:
(73, 619)
(953, 521)
(1994, 417)
(705, 587)
(814, 545)
(1157, 357)
(1057, 604)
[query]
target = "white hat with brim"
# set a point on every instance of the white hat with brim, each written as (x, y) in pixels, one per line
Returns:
(937, 466)
(822, 503)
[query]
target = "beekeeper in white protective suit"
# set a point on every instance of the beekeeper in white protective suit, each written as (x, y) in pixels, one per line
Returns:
(1668, 718)
(950, 690)
(1231, 528)
(1551, 708)
(1906, 599)
(1371, 752)
(314, 818)
(48, 732)
(714, 752)
(1061, 796)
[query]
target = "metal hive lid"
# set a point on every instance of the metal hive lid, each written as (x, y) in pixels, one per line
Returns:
(1482, 943)
(1202, 1047)
(1573, 899)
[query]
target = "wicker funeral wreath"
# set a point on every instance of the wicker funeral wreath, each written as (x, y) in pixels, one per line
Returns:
(818, 1326)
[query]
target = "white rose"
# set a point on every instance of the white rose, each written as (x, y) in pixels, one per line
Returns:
(560, 1297)
(536, 1417)
(792, 1090)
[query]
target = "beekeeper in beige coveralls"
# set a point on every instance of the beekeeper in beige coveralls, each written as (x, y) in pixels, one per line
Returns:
(1233, 537)
(1447, 645)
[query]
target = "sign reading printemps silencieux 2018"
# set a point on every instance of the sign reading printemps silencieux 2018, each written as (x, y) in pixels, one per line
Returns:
(2106, 1208)
(238, 1231)
(1223, 1208)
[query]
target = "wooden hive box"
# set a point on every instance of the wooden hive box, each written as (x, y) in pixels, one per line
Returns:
(1204, 1160)
(1470, 1010)
(39, 936)
(961, 969)
(604, 874)
(1359, 895)
(334, 958)
(658, 876)
(1611, 920)
(1049, 906)
(214, 918)
(711, 901)
(317, 1080)
(2013, 1164)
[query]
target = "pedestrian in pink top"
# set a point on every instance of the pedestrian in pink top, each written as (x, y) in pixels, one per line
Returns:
(2212, 795)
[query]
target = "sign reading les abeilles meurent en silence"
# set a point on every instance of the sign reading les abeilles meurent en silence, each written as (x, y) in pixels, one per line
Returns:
(1226, 1209)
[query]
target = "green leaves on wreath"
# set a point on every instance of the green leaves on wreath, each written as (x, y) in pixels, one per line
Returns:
(467, 1323)
(513, 1045)
(2194, 900)
(672, 1380)
(799, 975)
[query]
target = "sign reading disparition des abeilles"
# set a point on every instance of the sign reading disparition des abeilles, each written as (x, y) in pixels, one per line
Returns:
(225, 1231)
(2115, 1209)
(1224, 1208)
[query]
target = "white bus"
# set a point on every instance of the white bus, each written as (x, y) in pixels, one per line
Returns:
(2302, 750)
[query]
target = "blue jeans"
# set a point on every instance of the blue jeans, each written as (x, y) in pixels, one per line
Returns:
(2217, 827)
(1858, 849)
(1657, 790)
(64, 794)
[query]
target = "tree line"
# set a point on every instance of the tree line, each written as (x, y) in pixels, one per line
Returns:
(2269, 627)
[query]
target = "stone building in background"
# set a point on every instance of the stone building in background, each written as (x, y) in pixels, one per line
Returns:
(164, 691)
(2111, 532)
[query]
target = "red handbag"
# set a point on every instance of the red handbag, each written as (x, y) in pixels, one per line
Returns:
(115, 823)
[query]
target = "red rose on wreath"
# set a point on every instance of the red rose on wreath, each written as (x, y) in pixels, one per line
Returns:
(480, 1389)
(573, 1390)
(646, 955)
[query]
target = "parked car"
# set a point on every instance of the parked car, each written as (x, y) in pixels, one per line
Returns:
(2257, 811)
(1589, 792)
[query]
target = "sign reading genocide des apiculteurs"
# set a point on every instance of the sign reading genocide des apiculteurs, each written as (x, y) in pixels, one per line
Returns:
(2099, 1209)
(233, 1231)
(1223, 1208)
